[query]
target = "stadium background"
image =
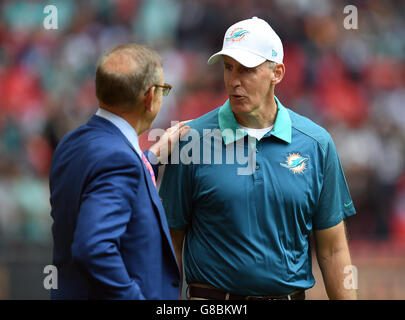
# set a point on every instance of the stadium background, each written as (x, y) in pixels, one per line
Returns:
(352, 82)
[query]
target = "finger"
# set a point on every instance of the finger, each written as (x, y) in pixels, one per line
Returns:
(175, 135)
(174, 128)
(184, 130)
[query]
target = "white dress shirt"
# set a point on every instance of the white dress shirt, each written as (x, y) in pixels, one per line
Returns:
(127, 130)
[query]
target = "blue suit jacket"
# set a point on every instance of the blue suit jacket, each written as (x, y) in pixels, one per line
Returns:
(111, 239)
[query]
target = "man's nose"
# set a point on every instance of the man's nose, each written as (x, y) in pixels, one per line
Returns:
(234, 80)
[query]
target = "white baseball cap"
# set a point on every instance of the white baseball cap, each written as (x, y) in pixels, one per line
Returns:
(251, 42)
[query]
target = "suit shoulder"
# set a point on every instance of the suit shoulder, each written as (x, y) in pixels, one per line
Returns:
(90, 144)
(309, 128)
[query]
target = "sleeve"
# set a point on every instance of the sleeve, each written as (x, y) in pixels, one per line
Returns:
(335, 203)
(103, 217)
(176, 193)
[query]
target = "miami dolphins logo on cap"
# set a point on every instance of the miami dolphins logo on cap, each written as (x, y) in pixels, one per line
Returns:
(295, 163)
(237, 34)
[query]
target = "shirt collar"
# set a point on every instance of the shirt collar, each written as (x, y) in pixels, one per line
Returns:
(127, 130)
(231, 131)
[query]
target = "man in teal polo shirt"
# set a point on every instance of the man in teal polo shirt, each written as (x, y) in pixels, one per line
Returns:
(247, 231)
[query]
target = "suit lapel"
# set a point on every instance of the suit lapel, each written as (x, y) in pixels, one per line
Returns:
(159, 211)
(156, 201)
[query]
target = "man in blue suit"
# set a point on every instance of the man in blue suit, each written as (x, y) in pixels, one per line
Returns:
(111, 239)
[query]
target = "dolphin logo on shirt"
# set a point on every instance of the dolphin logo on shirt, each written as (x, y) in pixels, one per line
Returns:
(295, 163)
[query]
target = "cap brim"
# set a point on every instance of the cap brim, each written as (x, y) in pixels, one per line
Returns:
(246, 58)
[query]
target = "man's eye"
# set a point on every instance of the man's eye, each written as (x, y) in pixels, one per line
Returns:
(228, 67)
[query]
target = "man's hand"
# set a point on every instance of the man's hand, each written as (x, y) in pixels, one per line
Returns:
(164, 147)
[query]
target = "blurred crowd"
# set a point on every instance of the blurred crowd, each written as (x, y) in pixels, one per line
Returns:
(351, 81)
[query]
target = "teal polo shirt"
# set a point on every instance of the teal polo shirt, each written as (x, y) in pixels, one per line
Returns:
(248, 233)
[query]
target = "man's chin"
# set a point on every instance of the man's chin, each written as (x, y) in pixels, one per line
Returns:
(240, 106)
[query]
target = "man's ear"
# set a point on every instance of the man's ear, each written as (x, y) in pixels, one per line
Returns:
(148, 99)
(278, 73)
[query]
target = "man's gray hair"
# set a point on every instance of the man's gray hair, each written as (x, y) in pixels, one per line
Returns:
(123, 89)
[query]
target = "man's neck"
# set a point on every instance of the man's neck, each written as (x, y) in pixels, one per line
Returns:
(131, 117)
(263, 117)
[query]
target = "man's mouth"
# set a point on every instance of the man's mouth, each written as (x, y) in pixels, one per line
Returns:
(236, 97)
